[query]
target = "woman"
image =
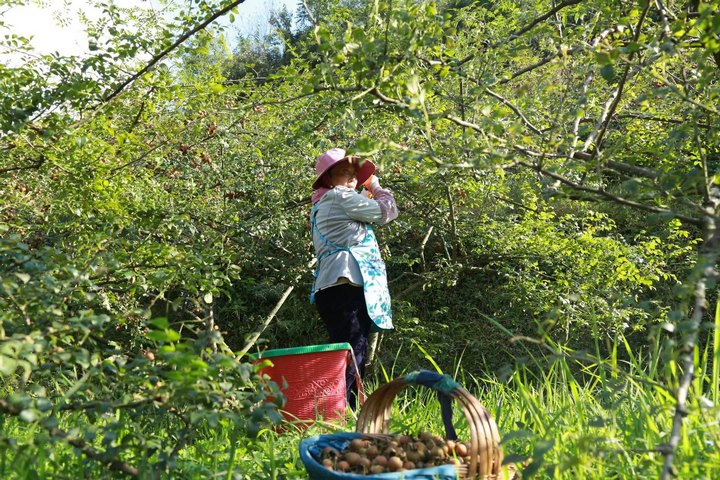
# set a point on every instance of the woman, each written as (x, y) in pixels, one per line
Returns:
(350, 287)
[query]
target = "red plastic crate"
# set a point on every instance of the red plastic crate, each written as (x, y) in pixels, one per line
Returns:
(312, 378)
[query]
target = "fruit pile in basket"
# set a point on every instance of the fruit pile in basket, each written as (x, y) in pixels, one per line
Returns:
(374, 454)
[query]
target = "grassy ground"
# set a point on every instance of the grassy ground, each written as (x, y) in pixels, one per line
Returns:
(572, 418)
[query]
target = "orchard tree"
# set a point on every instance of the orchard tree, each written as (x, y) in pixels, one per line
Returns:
(110, 256)
(555, 163)
(608, 104)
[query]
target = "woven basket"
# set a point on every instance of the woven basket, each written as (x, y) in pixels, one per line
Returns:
(485, 453)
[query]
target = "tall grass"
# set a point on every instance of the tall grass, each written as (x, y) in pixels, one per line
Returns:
(566, 415)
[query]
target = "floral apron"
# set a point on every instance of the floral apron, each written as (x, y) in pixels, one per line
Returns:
(367, 255)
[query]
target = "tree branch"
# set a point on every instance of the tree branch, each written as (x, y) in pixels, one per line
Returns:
(514, 109)
(172, 47)
(526, 28)
(32, 166)
(253, 338)
(606, 117)
(576, 123)
(652, 118)
(614, 198)
(704, 269)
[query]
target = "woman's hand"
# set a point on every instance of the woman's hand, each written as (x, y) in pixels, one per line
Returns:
(372, 183)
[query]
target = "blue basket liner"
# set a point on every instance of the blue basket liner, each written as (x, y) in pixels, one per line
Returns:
(312, 447)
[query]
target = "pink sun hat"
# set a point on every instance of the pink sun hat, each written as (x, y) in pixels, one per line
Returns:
(325, 161)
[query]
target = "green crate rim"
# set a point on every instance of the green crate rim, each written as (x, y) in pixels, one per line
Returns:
(279, 352)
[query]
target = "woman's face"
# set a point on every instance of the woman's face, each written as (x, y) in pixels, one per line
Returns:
(343, 174)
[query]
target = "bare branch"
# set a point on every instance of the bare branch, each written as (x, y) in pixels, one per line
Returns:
(560, 53)
(585, 156)
(33, 166)
(542, 18)
(684, 97)
(652, 118)
(309, 94)
(424, 243)
(309, 13)
(253, 338)
(632, 169)
(576, 123)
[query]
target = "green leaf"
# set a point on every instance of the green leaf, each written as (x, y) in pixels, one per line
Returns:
(159, 322)
(7, 365)
(24, 277)
(29, 415)
(158, 336)
(608, 72)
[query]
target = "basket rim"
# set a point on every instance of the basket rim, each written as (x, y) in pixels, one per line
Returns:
(312, 465)
(280, 352)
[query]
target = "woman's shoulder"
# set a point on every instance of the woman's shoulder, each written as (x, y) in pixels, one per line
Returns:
(339, 193)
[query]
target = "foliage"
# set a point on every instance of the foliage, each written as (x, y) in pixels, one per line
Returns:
(555, 164)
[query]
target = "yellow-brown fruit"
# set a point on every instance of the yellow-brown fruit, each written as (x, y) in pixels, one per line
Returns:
(371, 451)
(352, 458)
(414, 456)
(356, 444)
(394, 464)
(437, 453)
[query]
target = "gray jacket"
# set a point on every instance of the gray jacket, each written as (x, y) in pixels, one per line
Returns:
(342, 215)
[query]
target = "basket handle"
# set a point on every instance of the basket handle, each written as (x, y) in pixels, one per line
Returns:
(485, 452)
(443, 385)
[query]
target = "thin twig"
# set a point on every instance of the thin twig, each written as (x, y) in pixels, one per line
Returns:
(253, 338)
(514, 109)
(606, 117)
(652, 118)
(576, 123)
(33, 166)
(424, 242)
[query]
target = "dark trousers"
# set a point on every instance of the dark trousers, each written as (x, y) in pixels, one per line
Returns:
(344, 312)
